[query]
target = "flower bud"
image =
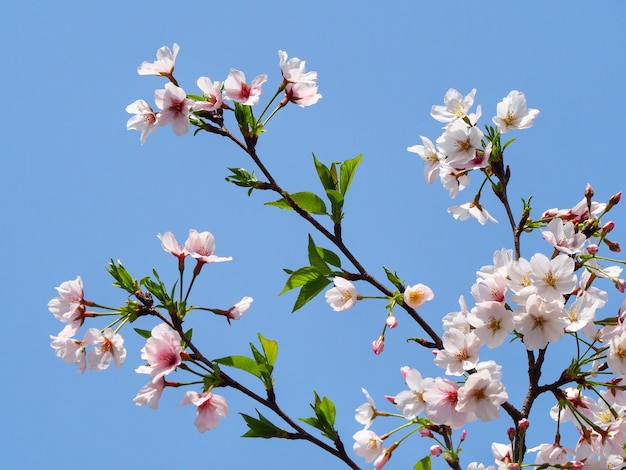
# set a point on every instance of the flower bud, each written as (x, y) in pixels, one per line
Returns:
(613, 246)
(435, 450)
(511, 433)
(592, 249)
(589, 192)
(606, 228)
(614, 200)
(523, 424)
(463, 435)
(426, 433)
(378, 345)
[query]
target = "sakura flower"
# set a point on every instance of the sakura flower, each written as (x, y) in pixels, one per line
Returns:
(551, 454)
(459, 353)
(212, 92)
(503, 454)
(561, 236)
(431, 157)
(479, 466)
(162, 352)
(492, 323)
(69, 304)
(441, 397)
(236, 88)
(513, 113)
(164, 65)
(293, 70)
(411, 402)
(417, 295)
(471, 209)
(70, 349)
(582, 403)
(455, 106)
(343, 296)
(241, 307)
(482, 395)
(301, 93)
(109, 345)
(367, 444)
(174, 106)
(201, 246)
(459, 143)
(171, 245)
(366, 413)
(210, 408)
(501, 260)
(453, 180)
(491, 288)
(383, 458)
(541, 322)
(150, 394)
(580, 313)
(457, 320)
(552, 278)
(616, 358)
(144, 119)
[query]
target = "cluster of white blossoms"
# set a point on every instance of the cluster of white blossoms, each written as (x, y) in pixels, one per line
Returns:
(539, 301)
(176, 106)
(164, 351)
(462, 146)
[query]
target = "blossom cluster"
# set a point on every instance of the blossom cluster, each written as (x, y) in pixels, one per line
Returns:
(178, 108)
(165, 349)
(539, 301)
(463, 147)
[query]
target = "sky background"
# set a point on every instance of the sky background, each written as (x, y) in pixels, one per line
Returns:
(77, 189)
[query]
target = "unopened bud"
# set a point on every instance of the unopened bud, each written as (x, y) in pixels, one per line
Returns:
(391, 321)
(426, 433)
(592, 249)
(620, 284)
(435, 450)
(378, 345)
(606, 228)
(589, 192)
(510, 433)
(463, 435)
(523, 424)
(390, 399)
(613, 246)
(614, 200)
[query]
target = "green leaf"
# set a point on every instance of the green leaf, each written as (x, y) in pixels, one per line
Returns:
(325, 175)
(262, 427)
(122, 277)
(346, 172)
(324, 419)
(310, 202)
(309, 291)
(243, 178)
(394, 279)
(301, 277)
(143, 333)
(315, 258)
(270, 348)
(336, 202)
(423, 464)
(240, 362)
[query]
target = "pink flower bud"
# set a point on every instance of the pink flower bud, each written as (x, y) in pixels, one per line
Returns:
(613, 200)
(392, 321)
(589, 191)
(606, 228)
(426, 433)
(620, 284)
(513, 466)
(523, 424)
(378, 345)
(390, 399)
(463, 435)
(592, 249)
(404, 370)
(511, 433)
(435, 450)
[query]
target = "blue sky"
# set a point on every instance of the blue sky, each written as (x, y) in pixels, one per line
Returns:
(78, 189)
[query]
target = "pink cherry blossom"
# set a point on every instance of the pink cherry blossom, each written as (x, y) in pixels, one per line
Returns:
(513, 113)
(175, 107)
(150, 394)
(553, 278)
(293, 70)
(366, 413)
(343, 296)
(417, 295)
(68, 306)
(202, 246)
(164, 65)
(301, 93)
(108, 346)
(70, 349)
(441, 397)
(471, 209)
(482, 395)
(161, 352)
(212, 94)
(411, 402)
(561, 236)
(236, 88)
(241, 307)
(210, 408)
(551, 454)
(540, 322)
(459, 143)
(459, 353)
(144, 119)
(492, 322)
(171, 245)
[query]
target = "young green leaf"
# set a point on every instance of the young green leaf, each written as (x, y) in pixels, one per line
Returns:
(262, 427)
(316, 259)
(325, 175)
(423, 464)
(310, 202)
(309, 291)
(270, 348)
(143, 333)
(346, 173)
(301, 277)
(240, 362)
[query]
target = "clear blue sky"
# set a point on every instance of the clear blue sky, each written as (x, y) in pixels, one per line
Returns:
(78, 189)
